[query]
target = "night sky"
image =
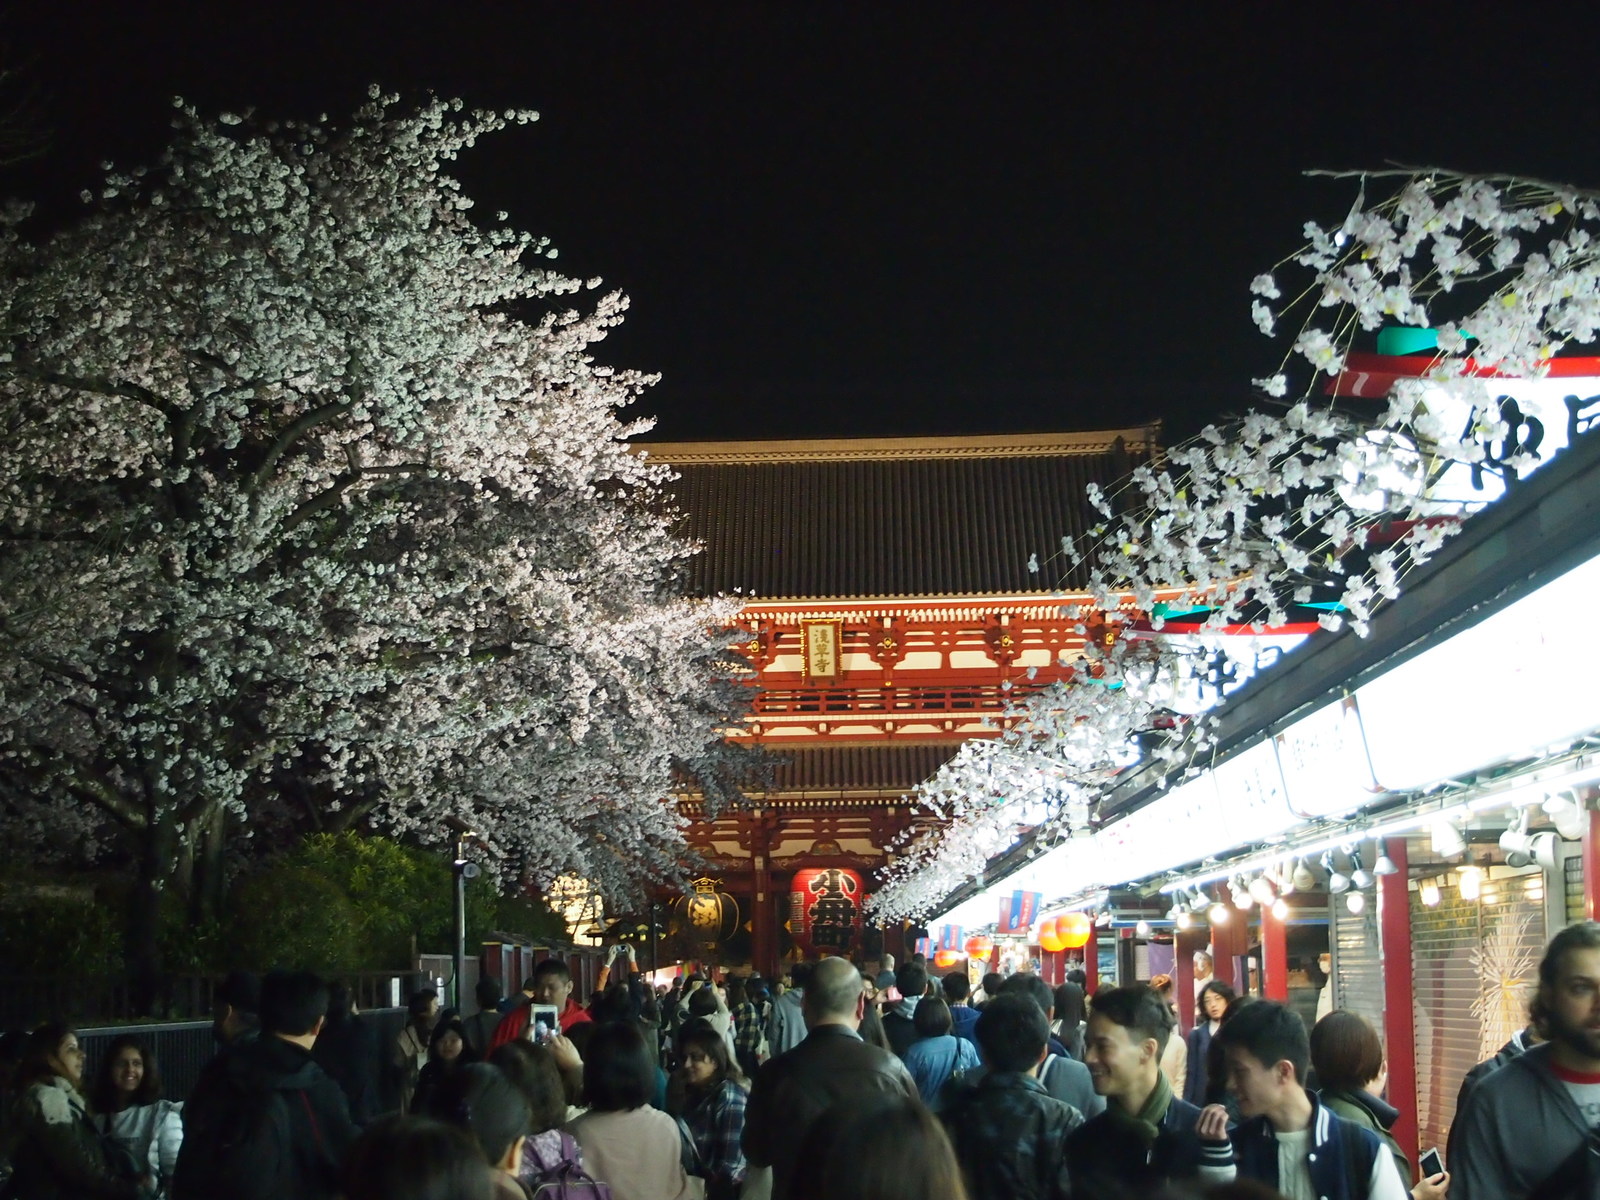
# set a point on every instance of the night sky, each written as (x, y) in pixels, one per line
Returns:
(870, 219)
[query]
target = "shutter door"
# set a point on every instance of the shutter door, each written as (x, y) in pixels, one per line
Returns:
(1572, 874)
(1475, 966)
(1357, 961)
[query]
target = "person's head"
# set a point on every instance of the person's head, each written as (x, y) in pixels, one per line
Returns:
(800, 974)
(479, 1099)
(423, 1006)
(126, 1075)
(52, 1049)
(834, 994)
(486, 992)
(1078, 976)
(1034, 989)
(703, 1057)
(758, 991)
(932, 1018)
(1212, 1001)
(1012, 1033)
(1128, 1030)
(415, 1158)
(991, 984)
(235, 1006)
(877, 1149)
(1202, 965)
(294, 1005)
(955, 987)
(533, 1072)
(1265, 1052)
(1345, 1053)
(552, 983)
(912, 980)
(871, 1028)
(703, 1003)
(341, 1003)
(1566, 1008)
(447, 1041)
(1069, 1006)
(737, 990)
(618, 1003)
(618, 1075)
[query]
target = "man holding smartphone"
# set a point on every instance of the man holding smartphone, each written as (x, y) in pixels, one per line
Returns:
(552, 986)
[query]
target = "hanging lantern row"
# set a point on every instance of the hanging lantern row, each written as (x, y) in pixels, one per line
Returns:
(1066, 932)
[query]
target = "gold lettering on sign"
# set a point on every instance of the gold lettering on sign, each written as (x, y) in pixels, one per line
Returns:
(820, 640)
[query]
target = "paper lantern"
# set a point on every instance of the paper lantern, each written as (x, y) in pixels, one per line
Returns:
(1074, 930)
(944, 959)
(979, 946)
(708, 914)
(1050, 936)
(825, 909)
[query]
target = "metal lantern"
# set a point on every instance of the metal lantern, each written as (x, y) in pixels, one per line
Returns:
(708, 915)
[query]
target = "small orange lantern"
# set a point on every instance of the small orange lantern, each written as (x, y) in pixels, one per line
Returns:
(1050, 935)
(946, 958)
(979, 946)
(1075, 930)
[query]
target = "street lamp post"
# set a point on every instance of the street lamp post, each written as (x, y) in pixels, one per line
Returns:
(463, 870)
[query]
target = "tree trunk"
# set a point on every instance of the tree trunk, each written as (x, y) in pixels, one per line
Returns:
(145, 969)
(208, 838)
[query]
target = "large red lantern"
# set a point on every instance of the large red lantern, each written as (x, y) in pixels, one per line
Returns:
(1050, 935)
(944, 959)
(979, 946)
(1075, 930)
(825, 909)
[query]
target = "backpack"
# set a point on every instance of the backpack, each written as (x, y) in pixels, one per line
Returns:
(562, 1179)
(244, 1150)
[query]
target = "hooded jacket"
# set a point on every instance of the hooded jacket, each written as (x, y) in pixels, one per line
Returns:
(786, 1027)
(1519, 1127)
(320, 1131)
(58, 1154)
(1370, 1112)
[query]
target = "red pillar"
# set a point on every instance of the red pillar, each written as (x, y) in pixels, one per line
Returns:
(1591, 868)
(1274, 957)
(1228, 942)
(1394, 944)
(1091, 964)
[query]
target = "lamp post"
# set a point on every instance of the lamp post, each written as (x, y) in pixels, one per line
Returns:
(463, 870)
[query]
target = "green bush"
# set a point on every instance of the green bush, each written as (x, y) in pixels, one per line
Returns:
(287, 915)
(60, 935)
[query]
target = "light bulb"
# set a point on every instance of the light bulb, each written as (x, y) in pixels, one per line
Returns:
(1355, 901)
(1280, 909)
(1428, 892)
(1142, 929)
(1218, 914)
(1183, 920)
(1261, 888)
(1470, 883)
(1385, 866)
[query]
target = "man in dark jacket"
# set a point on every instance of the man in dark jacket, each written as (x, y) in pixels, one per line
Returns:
(1288, 1140)
(833, 1064)
(899, 1019)
(1061, 1075)
(1146, 1139)
(963, 1017)
(264, 1121)
(1009, 1135)
(1528, 1128)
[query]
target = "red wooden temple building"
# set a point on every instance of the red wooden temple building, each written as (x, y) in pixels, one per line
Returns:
(892, 611)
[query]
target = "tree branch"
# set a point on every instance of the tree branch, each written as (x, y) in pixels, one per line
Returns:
(292, 434)
(103, 387)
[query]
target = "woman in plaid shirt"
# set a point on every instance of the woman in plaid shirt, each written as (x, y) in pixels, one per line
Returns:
(708, 1092)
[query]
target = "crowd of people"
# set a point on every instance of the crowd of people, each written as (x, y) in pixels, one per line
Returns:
(832, 1083)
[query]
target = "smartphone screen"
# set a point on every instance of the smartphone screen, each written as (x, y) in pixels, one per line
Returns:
(1431, 1164)
(544, 1022)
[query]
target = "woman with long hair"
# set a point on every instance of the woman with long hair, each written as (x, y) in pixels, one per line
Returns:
(129, 1109)
(627, 1144)
(549, 1152)
(707, 1093)
(877, 1150)
(415, 1158)
(937, 1056)
(447, 1052)
(1210, 1006)
(59, 1154)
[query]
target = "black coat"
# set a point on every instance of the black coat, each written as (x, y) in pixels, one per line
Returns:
(350, 1052)
(1108, 1161)
(319, 1129)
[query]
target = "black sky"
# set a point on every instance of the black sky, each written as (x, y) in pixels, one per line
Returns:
(869, 219)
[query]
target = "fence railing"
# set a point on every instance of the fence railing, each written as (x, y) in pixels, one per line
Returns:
(182, 1048)
(26, 1000)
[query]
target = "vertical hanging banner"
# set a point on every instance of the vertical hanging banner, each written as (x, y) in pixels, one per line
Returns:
(924, 947)
(822, 643)
(951, 937)
(1018, 912)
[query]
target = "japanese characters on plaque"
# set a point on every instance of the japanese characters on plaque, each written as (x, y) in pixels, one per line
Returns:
(820, 641)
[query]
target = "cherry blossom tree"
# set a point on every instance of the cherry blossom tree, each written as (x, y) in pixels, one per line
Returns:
(315, 506)
(1282, 507)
